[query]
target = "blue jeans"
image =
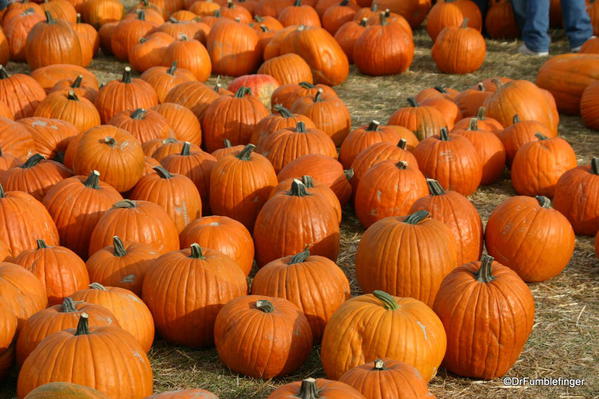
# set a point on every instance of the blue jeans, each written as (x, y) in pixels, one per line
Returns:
(533, 17)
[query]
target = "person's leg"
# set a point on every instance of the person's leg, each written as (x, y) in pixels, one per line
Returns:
(535, 31)
(519, 7)
(576, 22)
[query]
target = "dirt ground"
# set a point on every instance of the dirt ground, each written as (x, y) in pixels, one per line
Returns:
(564, 342)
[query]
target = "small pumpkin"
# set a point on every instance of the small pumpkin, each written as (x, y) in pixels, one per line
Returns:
(163, 79)
(347, 34)
(452, 13)
(81, 88)
(149, 51)
(287, 69)
(71, 108)
(315, 388)
(519, 133)
(183, 122)
(281, 118)
(49, 75)
(233, 48)
(21, 93)
(191, 55)
(334, 17)
(196, 96)
(64, 390)
(128, 32)
(285, 95)
(459, 49)
(143, 124)
(423, 121)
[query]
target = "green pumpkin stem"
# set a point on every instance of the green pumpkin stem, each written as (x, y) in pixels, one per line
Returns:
(264, 28)
(308, 181)
(258, 19)
(308, 389)
(109, 141)
(306, 85)
(2, 193)
(480, 86)
(383, 18)
(265, 306)
(300, 127)
(118, 247)
(412, 102)
(464, 24)
(186, 148)
(300, 257)
(162, 172)
(388, 300)
(93, 180)
(49, 18)
(242, 92)
(349, 174)
(3, 73)
(126, 75)
(515, 119)
(68, 305)
(318, 95)
(379, 365)
(141, 15)
(172, 69)
(485, 273)
(284, 112)
(230, 4)
(434, 187)
(78, 18)
(139, 114)
(297, 3)
(363, 22)
(543, 201)
(402, 143)
(97, 286)
(246, 153)
(298, 189)
(416, 217)
(41, 244)
(444, 134)
(125, 204)
(373, 126)
(71, 95)
(77, 82)
(481, 114)
(228, 143)
(440, 89)
(473, 125)
(33, 161)
(82, 325)
(402, 165)
(344, 2)
(196, 251)
(540, 136)
(595, 166)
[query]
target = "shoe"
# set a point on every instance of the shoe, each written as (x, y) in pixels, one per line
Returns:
(577, 48)
(523, 49)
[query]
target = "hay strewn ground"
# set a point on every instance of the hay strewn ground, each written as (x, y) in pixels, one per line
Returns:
(565, 340)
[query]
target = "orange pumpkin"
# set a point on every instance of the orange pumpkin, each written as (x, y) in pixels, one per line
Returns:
(128, 32)
(185, 125)
(22, 293)
(163, 79)
(144, 125)
(190, 55)
(194, 393)
(423, 121)
(233, 48)
(64, 390)
(51, 136)
(459, 50)
(287, 69)
(520, 132)
(21, 93)
(71, 108)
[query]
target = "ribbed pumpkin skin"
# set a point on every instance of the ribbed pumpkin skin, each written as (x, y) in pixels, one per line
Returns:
(327, 389)
(21, 292)
(233, 48)
(315, 188)
(535, 241)
(364, 329)
(244, 337)
(589, 106)
(76, 204)
(460, 216)
(21, 93)
(64, 390)
(446, 14)
(459, 50)
(538, 165)
(315, 284)
(576, 194)
(122, 370)
(223, 234)
(185, 394)
(128, 309)
(196, 96)
(163, 78)
(144, 125)
(520, 132)
(140, 221)
(392, 257)
(60, 270)
(182, 120)
(79, 111)
(487, 324)
(65, 48)
(395, 380)
(50, 136)
(363, 137)
(329, 115)
(287, 69)
(8, 328)
(281, 118)
(49, 75)
(500, 21)
(35, 177)
(185, 294)
(388, 188)
(424, 121)
(16, 139)
(24, 220)
(57, 318)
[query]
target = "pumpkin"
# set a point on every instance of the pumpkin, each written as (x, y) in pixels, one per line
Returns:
(203, 7)
(293, 278)
(334, 17)
(347, 34)
(176, 275)
(80, 88)
(500, 21)
(8, 161)
(190, 55)
(436, 91)
(176, 194)
(538, 165)
(482, 122)
(459, 49)
(139, 221)
(244, 331)
(316, 388)
(105, 32)
(387, 379)
(166, 147)
(89, 40)
(471, 100)
(125, 94)
(403, 329)
(22, 292)
(319, 49)
(124, 353)
(520, 220)
(194, 95)
(59, 317)
(163, 79)
(36, 176)
(233, 48)
(299, 14)
(520, 132)
(423, 121)
(99, 12)
(290, 221)
(451, 14)
(287, 94)
(588, 106)
(287, 69)
(281, 118)
(591, 46)
(115, 153)
(489, 148)
(574, 197)
(121, 264)
(128, 32)
(233, 11)
(144, 125)
(149, 51)
(194, 393)
(452, 160)
(69, 107)
(178, 29)
(50, 75)
(20, 92)
(415, 11)
(523, 98)
(61, 9)
(65, 49)
(129, 311)
(21, 209)
(289, 144)
(233, 118)
(481, 289)
(197, 165)
(184, 124)
(75, 223)
(251, 175)
(17, 28)
(16, 139)
(261, 86)
(448, 108)
(64, 390)
(566, 76)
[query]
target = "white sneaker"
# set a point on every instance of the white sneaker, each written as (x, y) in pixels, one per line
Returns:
(523, 49)
(577, 49)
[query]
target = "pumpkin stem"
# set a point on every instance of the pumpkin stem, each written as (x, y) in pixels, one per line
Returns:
(196, 251)
(242, 92)
(110, 141)
(363, 22)
(246, 153)
(434, 187)
(379, 365)
(172, 69)
(297, 3)
(344, 2)
(464, 24)
(41, 244)
(349, 174)
(33, 161)
(49, 18)
(300, 257)
(444, 134)
(306, 85)
(125, 204)
(92, 180)
(230, 4)
(388, 300)
(308, 389)
(82, 325)
(78, 20)
(258, 19)
(264, 28)
(480, 86)
(300, 127)
(141, 15)
(163, 173)
(485, 273)
(126, 75)
(540, 136)
(265, 306)
(440, 89)
(402, 143)
(119, 248)
(71, 95)
(543, 201)
(298, 189)
(516, 119)
(416, 217)
(228, 143)
(284, 112)
(308, 181)
(374, 7)
(139, 114)
(402, 165)
(595, 166)
(186, 148)
(318, 96)
(473, 124)
(373, 126)
(3, 73)
(68, 305)
(383, 18)
(480, 115)
(97, 286)
(77, 82)
(412, 101)
(2, 193)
